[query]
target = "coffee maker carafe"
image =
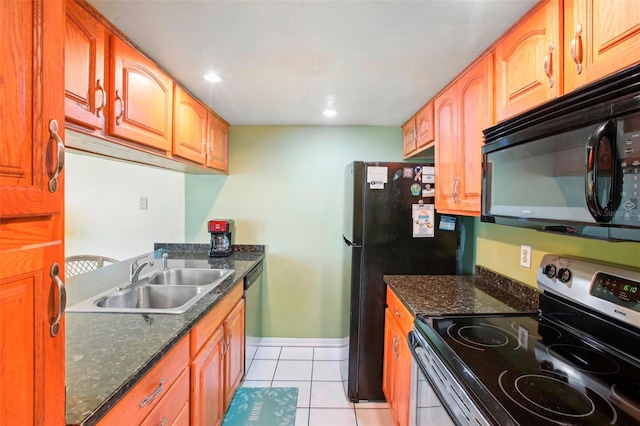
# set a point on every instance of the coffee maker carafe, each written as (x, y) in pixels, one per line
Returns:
(221, 231)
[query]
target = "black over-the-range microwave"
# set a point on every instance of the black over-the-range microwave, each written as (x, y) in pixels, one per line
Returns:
(571, 166)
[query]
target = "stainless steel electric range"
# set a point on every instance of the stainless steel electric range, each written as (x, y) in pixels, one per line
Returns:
(576, 362)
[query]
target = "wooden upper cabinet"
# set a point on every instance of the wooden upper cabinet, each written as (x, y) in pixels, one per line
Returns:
(447, 147)
(424, 126)
(85, 85)
(409, 144)
(32, 154)
(189, 127)
(141, 98)
(461, 113)
(417, 133)
(528, 62)
(600, 38)
(217, 148)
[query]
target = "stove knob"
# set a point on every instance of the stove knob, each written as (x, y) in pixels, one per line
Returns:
(549, 270)
(564, 275)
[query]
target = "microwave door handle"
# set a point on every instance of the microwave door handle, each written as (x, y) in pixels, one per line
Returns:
(604, 130)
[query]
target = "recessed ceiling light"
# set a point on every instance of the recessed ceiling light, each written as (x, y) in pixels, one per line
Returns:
(329, 112)
(213, 77)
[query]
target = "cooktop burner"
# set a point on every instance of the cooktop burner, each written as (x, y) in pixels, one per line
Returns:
(541, 374)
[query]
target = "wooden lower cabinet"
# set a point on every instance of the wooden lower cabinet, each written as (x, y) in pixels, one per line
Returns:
(207, 382)
(396, 376)
(154, 391)
(217, 366)
(194, 383)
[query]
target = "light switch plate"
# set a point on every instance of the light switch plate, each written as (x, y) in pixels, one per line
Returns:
(525, 256)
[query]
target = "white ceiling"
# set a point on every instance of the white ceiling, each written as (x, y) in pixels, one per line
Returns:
(284, 62)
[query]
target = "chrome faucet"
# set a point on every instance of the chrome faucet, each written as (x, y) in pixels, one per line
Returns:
(134, 269)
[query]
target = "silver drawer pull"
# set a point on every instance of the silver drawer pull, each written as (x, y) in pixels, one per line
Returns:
(395, 311)
(154, 395)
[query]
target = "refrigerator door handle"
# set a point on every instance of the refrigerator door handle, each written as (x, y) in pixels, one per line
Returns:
(349, 243)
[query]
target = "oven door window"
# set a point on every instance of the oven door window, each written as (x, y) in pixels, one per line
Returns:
(542, 179)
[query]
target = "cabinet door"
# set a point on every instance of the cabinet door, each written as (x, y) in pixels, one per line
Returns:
(600, 38)
(85, 96)
(409, 137)
(475, 113)
(141, 98)
(171, 409)
(389, 364)
(31, 85)
(217, 144)
(207, 383)
(190, 127)
(446, 149)
(528, 62)
(32, 359)
(234, 357)
(424, 125)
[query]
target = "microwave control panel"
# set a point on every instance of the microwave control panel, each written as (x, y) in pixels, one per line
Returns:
(628, 145)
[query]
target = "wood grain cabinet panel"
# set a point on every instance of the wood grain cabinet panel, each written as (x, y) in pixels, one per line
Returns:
(461, 113)
(528, 62)
(409, 144)
(32, 363)
(396, 375)
(207, 383)
(141, 99)
(234, 356)
(424, 126)
(85, 85)
(189, 127)
(217, 144)
(170, 411)
(600, 38)
(148, 393)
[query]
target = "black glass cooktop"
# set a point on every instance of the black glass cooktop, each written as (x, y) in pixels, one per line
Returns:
(540, 373)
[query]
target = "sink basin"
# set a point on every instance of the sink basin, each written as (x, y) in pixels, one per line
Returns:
(199, 277)
(171, 291)
(150, 297)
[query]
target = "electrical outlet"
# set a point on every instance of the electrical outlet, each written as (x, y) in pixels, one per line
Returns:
(525, 256)
(144, 203)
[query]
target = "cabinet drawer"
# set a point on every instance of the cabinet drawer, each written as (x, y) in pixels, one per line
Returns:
(399, 311)
(146, 395)
(208, 325)
(169, 409)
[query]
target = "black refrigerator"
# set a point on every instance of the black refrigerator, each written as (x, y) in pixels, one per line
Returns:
(390, 228)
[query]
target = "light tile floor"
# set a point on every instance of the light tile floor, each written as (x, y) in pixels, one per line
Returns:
(315, 371)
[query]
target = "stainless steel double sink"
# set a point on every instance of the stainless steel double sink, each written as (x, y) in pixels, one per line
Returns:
(170, 291)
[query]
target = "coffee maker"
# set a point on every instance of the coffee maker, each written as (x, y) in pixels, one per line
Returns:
(221, 231)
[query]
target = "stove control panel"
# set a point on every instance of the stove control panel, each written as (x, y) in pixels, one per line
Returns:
(610, 289)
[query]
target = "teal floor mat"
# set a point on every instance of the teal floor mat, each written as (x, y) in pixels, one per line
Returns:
(262, 407)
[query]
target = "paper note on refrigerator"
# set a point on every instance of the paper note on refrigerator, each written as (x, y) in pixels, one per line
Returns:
(377, 174)
(423, 217)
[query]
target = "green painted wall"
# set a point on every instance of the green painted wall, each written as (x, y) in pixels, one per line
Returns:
(284, 190)
(498, 248)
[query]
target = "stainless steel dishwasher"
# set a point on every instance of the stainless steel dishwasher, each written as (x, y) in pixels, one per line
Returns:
(253, 313)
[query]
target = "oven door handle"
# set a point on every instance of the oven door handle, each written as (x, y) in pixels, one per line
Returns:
(604, 133)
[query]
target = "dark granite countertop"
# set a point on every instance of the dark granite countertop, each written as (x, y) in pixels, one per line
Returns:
(485, 293)
(107, 354)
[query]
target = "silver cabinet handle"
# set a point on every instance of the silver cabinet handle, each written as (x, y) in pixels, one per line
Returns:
(205, 148)
(576, 49)
(104, 99)
(154, 395)
(548, 65)
(459, 180)
(225, 347)
(54, 170)
(62, 299)
(119, 116)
